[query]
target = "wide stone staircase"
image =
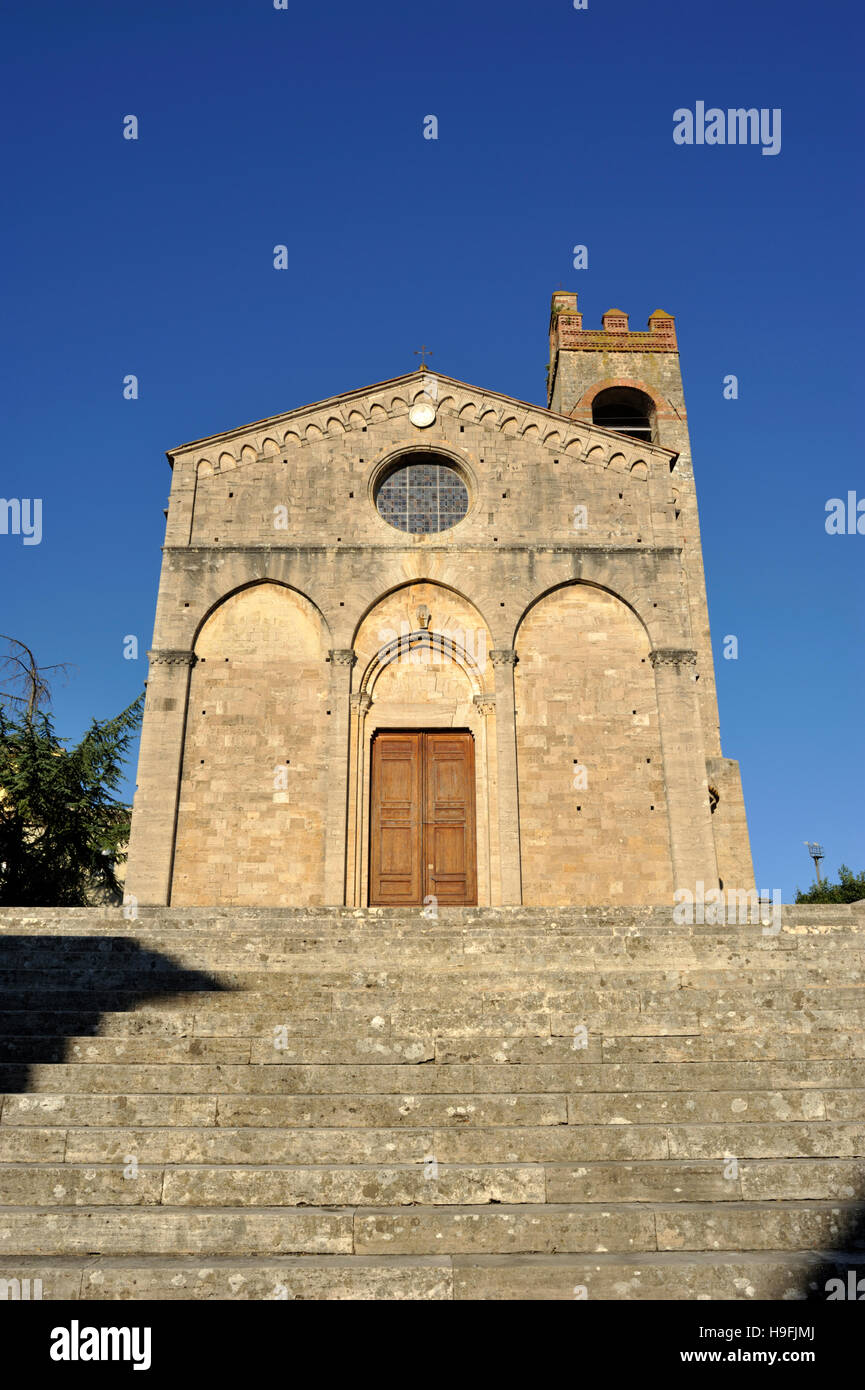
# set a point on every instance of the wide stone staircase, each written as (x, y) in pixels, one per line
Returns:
(504, 1103)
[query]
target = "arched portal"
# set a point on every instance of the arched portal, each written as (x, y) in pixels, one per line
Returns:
(422, 752)
(251, 815)
(593, 815)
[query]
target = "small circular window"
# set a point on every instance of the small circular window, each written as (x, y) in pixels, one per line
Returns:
(422, 494)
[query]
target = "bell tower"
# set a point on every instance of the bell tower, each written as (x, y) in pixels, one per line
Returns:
(631, 382)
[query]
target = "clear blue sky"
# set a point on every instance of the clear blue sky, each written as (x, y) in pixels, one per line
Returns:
(304, 127)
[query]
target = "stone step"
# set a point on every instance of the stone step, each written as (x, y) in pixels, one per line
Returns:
(426, 1122)
(731, 1047)
(447, 1230)
(555, 1143)
(135, 1049)
(613, 982)
(208, 1231)
(251, 919)
(395, 1184)
(823, 1179)
(455, 1034)
(681, 1047)
(693, 1276)
(64, 1110)
(307, 1277)
(577, 962)
(325, 1185)
(773, 1276)
(289, 1078)
(572, 1229)
(718, 1107)
(328, 1111)
(710, 967)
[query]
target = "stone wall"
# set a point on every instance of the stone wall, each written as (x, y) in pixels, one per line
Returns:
(250, 826)
(587, 713)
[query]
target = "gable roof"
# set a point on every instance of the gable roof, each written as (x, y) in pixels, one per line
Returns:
(404, 388)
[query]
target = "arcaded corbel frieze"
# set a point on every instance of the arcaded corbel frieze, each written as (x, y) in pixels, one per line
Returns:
(171, 656)
(555, 433)
(673, 656)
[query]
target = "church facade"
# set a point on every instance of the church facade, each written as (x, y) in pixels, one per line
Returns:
(426, 642)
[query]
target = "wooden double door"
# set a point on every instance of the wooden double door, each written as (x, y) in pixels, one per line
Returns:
(422, 819)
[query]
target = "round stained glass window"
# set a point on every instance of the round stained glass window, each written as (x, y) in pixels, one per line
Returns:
(420, 496)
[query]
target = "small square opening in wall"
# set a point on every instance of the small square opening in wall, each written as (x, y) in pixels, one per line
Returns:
(462, 429)
(351, 494)
(231, 494)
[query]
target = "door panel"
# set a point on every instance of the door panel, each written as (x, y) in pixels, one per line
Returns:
(449, 831)
(422, 819)
(396, 823)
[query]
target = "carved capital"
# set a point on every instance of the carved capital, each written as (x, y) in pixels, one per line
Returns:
(485, 704)
(673, 656)
(503, 656)
(342, 656)
(171, 656)
(360, 702)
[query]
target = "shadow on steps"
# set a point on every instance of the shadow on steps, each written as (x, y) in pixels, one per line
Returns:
(840, 1274)
(53, 988)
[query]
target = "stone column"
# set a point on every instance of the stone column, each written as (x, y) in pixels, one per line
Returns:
(342, 660)
(160, 762)
(360, 703)
(485, 705)
(504, 659)
(692, 842)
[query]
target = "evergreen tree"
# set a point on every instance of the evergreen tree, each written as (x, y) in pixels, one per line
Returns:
(850, 888)
(61, 824)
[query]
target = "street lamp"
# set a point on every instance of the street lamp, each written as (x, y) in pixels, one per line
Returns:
(816, 853)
